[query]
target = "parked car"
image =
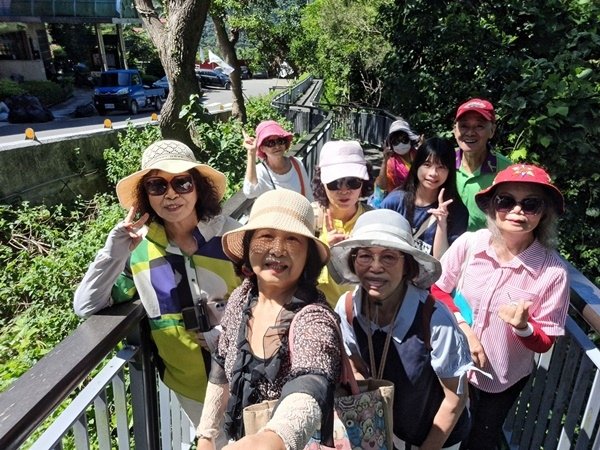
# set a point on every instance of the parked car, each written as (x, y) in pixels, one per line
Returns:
(213, 78)
(162, 83)
(123, 90)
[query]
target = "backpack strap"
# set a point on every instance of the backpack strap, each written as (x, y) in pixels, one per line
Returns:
(348, 307)
(427, 312)
(299, 172)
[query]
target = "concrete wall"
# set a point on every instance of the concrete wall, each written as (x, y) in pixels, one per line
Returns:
(58, 170)
(55, 171)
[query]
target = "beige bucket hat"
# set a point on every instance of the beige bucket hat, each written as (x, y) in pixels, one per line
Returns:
(169, 156)
(279, 209)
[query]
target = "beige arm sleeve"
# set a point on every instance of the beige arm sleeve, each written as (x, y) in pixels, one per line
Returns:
(213, 412)
(296, 420)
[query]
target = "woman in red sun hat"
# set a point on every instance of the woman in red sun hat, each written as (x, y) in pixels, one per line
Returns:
(513, 291)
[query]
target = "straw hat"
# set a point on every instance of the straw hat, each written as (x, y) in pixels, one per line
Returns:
(279, 209)
(389, 229)
(522, 173)
(172, 157)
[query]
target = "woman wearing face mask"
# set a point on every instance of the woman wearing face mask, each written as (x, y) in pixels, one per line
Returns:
(398, 154)
(341, 179)
(429, 200)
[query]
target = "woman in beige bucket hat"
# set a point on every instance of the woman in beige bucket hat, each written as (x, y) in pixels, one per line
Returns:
(167, 252)
(280, 258)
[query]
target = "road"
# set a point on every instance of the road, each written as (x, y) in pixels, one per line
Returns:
(63, 125)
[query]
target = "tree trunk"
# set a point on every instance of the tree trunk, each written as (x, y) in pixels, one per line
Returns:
(227, 48)
(176, 37)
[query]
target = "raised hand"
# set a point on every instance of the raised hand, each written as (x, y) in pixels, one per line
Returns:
(249, 143)
(333, 234)
(135, 228)
(441, 212)
(515, 313)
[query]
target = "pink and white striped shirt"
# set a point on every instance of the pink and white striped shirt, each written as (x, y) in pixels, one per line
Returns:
(537, 274)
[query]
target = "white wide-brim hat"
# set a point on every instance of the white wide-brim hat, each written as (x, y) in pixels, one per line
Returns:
(279, 209)
(168, 156)
(389, 229)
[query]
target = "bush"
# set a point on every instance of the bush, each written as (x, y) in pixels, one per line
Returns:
(9, 88)
(48, 92)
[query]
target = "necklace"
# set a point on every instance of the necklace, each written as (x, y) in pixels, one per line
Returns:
(378, 373)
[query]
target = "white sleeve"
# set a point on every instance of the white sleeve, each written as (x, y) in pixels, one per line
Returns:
(93, 293)
(263, 184)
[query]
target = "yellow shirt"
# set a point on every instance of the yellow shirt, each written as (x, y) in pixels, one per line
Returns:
(330, 288)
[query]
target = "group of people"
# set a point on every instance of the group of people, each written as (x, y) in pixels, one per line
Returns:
(452, 317)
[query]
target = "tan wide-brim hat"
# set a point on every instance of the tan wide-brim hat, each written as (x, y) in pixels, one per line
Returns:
(389, 229)
(279, 209)
(169, 156)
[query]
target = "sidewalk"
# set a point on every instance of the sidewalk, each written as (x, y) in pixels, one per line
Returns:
(81, 96)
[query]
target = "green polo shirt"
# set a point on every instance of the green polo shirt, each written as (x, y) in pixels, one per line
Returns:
(469, 184)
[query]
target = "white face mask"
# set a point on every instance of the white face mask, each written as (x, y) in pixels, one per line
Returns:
(401, 149)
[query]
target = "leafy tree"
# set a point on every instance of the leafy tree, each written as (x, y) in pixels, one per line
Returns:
(175, 27)
(141, 53)
(341, 42)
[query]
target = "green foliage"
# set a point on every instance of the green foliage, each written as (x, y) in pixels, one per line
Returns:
(9, 88)
(47, 252)
(141, 53)
(48, 92)
(125, 159)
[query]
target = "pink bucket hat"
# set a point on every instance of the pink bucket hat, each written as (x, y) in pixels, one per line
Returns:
(522, 173)
(340, 159)
(483, 107)
(268, 128)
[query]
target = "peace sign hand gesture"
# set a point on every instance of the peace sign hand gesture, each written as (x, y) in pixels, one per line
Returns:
(441, 212)
(135, 228)
(249, 144)
(334, 235)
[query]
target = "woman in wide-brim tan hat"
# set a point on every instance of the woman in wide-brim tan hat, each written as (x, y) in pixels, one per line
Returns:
(280, 259)
(396, 331)
(167, 252)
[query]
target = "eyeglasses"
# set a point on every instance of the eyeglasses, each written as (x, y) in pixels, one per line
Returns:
(182, 184)
(400, 138)
(387, 259)
(350, 182)
(530, 206)
(273, 142)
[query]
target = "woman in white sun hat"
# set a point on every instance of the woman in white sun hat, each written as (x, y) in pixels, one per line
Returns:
(394, 330)
(167, 252)
(340, 181)
(280, 258)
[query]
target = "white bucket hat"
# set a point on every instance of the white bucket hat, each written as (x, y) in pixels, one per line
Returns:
(169, 156)
(389, 229)
(340, 159)
(279, 209)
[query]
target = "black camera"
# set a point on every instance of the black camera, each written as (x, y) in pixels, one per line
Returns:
(204, 315)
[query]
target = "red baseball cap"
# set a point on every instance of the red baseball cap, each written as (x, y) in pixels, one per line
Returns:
(522, 173)
(483, 107)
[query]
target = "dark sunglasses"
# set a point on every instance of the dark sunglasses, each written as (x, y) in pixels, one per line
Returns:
(530, 206)
(350, 182)
(400, 138)
(182, 184)
(274, 142)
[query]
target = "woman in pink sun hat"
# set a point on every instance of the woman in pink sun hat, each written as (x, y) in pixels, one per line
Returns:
(276, 170)
(512, 289)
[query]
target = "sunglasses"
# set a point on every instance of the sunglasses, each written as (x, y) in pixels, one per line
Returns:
(350, 182)
(182, 184)
(273, 142)
(530, 206)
